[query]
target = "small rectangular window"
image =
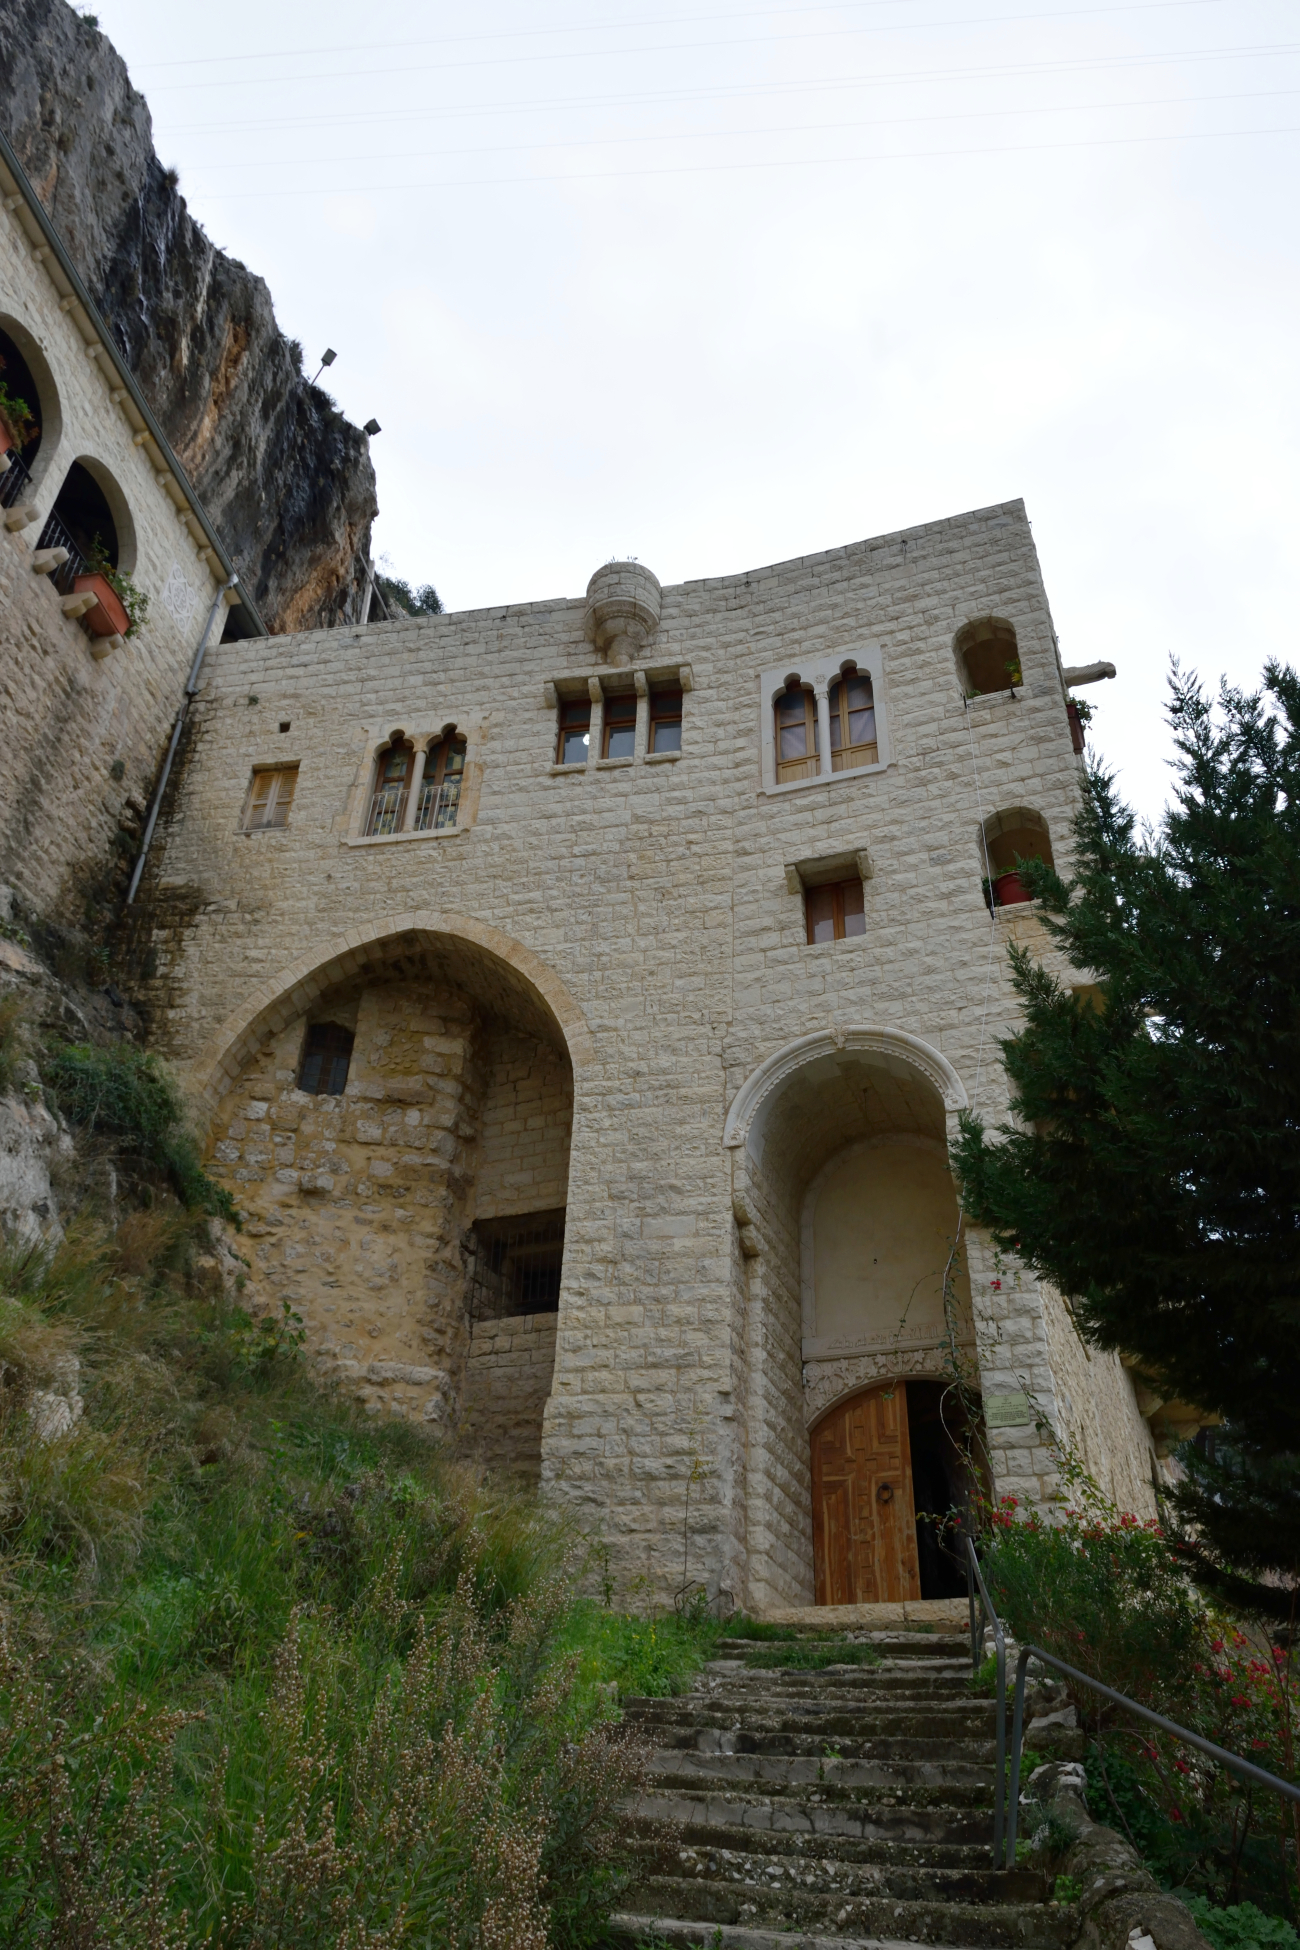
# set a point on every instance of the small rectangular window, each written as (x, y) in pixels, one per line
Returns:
(666, 720)
(836, 912)
(326, 1055)
(270, 797)
(619, 736)
(575, 731)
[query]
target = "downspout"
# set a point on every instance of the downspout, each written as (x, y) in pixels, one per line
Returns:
(191, 685)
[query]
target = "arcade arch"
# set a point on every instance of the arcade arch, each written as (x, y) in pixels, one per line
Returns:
(410, 1209)
(860, 1317)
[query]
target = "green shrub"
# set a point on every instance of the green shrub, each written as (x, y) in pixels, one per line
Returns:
(128, 1094)
(1241, 1926)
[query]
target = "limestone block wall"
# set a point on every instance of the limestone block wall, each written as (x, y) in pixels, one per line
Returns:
(523, 1154)
(507, 1381)
(84, 736)
(637, 915)
(1100, 1417)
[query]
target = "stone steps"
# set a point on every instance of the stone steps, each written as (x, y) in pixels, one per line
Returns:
(829, 1807)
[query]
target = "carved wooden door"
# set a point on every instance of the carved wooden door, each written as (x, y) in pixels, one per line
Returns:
(864, 1525)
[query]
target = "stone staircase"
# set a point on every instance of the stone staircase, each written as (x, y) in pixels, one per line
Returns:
(794, 1809)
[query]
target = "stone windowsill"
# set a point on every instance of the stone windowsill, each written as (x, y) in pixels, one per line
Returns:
(846, 941)
(1013, 693)
(823, 778)
(395, 839)
(612, 764)
(558, 771)
(662, 758)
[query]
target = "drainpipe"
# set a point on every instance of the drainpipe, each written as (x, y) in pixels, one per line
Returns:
(191, 685)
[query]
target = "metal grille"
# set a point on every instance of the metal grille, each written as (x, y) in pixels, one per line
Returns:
(55, 535)
(387, 809)
(513, 1266)
(14, 483)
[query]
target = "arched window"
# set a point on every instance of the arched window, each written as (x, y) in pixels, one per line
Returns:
(444, 774)
(392, 783)
(853, 722)
(988, 657)
(81, 522)
(326, 1054)
(1019, 833)
(797, 743)
(20, 421)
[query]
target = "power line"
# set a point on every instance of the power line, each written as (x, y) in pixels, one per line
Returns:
(789, 128)
(671, 20)
(800, 162)
(353, 74)
(1125, 63)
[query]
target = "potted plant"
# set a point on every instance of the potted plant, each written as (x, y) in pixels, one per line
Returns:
(121, 607)
(1009, 889)
(17, 422)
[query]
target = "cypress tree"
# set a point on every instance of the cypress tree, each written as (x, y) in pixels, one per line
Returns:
(1152, 1172)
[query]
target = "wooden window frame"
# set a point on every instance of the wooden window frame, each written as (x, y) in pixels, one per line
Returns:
(846, 757)
(574, 714)
(670, 695)
(278, 801)
(837, 890)
(619, 714)
(790, 769)
(376, 813)
(440, 789)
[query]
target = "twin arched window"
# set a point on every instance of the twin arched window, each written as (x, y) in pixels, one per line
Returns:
(852, 727)
(417, 789)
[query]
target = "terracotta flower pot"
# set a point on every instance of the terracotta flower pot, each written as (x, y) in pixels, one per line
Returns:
(8, 438)
(108, 617)
(1009, 890)
(1076, 725)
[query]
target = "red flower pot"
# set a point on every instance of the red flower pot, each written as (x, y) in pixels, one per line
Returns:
(1009, 889)
(1076, 724)
(108, 617)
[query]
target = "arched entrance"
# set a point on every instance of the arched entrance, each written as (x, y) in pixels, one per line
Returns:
(863, 1378)
(394, 1123)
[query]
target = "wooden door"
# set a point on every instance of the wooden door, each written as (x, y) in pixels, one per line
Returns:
(864, 1523)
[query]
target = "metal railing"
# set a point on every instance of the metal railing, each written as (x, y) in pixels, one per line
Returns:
(16, 478)
(1006, 1796)
(387, 811)
(55, 535)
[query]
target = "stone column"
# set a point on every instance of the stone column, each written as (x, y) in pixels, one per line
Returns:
(597, 697)
(413, 793)
(822, 696)
(642, 738)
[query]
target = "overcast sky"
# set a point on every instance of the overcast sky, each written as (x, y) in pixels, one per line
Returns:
(717, 285)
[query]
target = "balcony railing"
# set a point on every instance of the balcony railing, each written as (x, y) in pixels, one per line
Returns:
(438, 808)
(387, 810)
(55, 535)
(15, 481)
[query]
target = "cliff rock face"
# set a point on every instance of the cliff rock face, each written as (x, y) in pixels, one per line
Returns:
(284, 476)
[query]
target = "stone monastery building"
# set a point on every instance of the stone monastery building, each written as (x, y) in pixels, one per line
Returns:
(580, 995)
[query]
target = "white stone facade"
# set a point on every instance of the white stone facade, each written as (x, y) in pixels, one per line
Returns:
(627, 936)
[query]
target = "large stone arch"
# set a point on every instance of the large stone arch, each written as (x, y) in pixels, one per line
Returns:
(533, 987)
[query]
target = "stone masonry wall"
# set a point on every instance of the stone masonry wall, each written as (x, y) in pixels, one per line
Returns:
(72, 721)
(644, 906)
(523, 1155)
(507, 1382)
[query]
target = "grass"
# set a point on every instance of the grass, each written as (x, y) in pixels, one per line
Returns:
(270, 1674)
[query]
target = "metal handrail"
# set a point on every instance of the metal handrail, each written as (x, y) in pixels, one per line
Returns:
(1221, 1754)
(974, 1579)
(1006, 1798)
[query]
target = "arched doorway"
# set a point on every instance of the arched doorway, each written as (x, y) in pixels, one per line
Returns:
(862, 1372)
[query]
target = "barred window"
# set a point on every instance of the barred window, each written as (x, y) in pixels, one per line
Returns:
(444, 774)
(392, 783)
(326, 1055)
